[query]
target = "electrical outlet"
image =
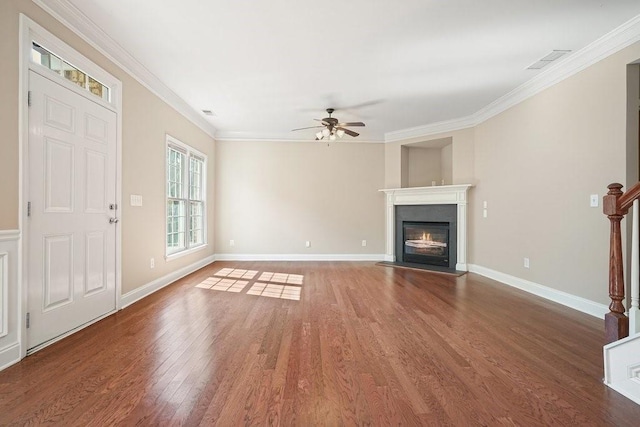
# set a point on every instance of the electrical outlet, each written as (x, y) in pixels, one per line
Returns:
(484, 213)
(152, 263)
(364, 243)
(307, 244)
(526, 263)
(232, 242)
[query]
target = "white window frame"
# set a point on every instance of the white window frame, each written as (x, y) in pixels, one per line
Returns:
(189, 152)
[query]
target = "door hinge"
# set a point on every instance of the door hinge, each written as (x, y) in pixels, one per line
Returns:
(28, 320)
(29, 98)
(28, 208)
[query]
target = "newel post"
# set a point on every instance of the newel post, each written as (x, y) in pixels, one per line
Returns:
(616, 324)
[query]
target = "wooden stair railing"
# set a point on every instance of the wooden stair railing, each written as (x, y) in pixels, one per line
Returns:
(615, 206)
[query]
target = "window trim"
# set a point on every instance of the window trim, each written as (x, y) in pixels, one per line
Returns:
(176, 144)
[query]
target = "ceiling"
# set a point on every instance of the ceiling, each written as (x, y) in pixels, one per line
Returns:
(265, 68)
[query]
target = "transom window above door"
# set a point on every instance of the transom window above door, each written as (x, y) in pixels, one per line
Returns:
(44, 57)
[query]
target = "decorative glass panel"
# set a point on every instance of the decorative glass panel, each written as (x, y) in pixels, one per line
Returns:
(195, 179)
(98, 89)
(196, 225)
(176, 225)
(175, 163)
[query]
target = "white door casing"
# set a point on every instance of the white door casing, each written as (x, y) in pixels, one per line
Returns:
(72, 183)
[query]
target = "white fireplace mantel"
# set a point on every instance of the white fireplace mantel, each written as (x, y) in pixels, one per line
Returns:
(437, 195)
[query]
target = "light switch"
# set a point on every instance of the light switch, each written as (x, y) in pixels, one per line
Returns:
(136, 200)
(594, 200)
(484, 213)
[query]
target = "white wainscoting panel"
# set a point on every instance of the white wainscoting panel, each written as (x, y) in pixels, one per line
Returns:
(4, 290)
(9, 306)
(622, 367)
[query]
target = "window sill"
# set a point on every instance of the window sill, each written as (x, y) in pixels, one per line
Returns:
(185, 252)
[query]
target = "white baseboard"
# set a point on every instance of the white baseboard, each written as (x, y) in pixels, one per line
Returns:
(299, 257)
(577, 303)
(9, 355)
(151, 287)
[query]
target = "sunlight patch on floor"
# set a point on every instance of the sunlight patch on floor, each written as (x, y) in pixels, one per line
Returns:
(227, 285)
(272, 285)
(272, 290)
(236, 273)
(292, 279)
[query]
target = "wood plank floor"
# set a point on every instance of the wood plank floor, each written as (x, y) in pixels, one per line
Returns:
(364, 345)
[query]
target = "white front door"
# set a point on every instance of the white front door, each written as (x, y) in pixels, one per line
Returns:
(72, 190)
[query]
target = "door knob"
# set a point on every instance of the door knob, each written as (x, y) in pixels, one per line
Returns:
(113, 220)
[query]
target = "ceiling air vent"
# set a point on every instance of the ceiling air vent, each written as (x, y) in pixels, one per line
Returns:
(543, 62)
(208, 113)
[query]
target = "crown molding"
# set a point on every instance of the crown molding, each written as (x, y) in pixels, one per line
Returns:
(430, 129)
(81, 25)
(612, 42)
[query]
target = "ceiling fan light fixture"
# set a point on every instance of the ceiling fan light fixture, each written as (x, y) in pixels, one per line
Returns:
(332, 128)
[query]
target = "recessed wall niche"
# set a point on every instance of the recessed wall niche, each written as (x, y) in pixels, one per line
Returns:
(427, 163)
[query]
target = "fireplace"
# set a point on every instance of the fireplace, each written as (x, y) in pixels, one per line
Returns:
(425, 243)
(445, 203)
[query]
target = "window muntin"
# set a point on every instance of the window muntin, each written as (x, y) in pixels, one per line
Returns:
(42, 56)
(186, 200)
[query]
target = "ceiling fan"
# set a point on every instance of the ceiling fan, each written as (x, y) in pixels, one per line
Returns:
(332, 128)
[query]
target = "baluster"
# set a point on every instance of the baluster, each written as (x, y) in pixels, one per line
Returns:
(634, 318)
(616, 324)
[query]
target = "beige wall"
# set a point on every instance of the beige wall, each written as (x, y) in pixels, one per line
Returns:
(271, 197)
(536, 165)
(145, 120)
(446, 164)
(424, 167)
(9, 115)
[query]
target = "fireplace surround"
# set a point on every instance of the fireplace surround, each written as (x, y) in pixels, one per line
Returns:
(433, 202)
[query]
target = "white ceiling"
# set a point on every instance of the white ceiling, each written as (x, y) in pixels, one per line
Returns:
(266, 67)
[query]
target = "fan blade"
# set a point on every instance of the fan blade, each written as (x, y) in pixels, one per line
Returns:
(351, 124)
(310, 127)
(347, 131)
(323, 122)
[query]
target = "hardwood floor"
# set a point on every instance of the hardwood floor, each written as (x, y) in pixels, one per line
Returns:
(364, 345)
